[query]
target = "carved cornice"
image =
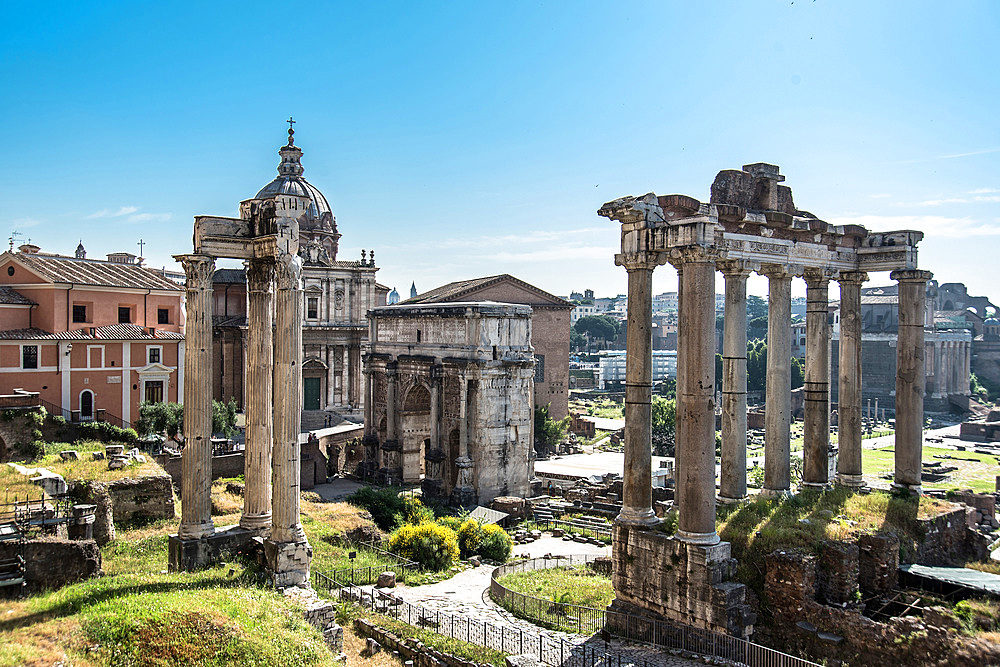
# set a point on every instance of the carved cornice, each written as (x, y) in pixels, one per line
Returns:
(631, 210)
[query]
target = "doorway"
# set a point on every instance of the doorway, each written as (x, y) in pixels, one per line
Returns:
(311, 390)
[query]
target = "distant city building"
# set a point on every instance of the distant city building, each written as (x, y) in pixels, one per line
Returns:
(581, 311)
(550, 322)
(413, 290)
(665, 302)
(612, 366)
(393, 297)
(94, 338)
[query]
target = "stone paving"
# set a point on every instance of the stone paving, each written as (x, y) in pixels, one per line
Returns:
(467, 594)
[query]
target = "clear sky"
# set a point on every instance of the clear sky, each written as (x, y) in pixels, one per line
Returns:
(463, 139)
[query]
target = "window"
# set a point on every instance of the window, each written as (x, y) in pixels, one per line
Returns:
(124, 315)
(539, 368)
(312, 308)
(154, 391)
(29, 356)
(163, 316)
(79, 313)
(153, 354)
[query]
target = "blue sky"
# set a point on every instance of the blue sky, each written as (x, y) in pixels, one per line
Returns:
(462, 139)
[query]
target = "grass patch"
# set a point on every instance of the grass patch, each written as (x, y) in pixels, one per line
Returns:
(576, 584)
(456, 647)
(758, 527)
(87, 470)
(975, 471)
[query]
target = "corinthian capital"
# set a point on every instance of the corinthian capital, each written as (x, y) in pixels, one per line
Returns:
(199, 270)
(857, 277)
(288, 271)
(639, 261)
(260, 274)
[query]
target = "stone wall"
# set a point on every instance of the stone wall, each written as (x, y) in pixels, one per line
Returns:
(946, 540)
(410, 649)
(126, 501)
(657, 573)
(54, 563)
(16, 435)
(802, 626)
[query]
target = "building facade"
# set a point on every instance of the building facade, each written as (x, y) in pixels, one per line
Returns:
(450, 406)
(550, 322)
(337, 295)
(612, 367)
(93, 338)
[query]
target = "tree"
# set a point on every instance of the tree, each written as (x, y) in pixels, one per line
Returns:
(663, 418)
(756, 307)
(168, 419)
(548, 432)
(798, 373)
(576, 339)
(598, 326)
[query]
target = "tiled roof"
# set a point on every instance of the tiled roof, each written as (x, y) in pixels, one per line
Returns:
(456, 291)
(110, 332)
(60, 269)
(233, 276)
(8, 295)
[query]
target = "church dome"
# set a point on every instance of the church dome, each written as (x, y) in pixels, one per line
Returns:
(992, 322)
(319, 217)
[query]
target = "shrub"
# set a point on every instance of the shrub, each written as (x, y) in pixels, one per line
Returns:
(413, 512)
(432, 545)
(495, 544)
(470, 536)
(382, 504)
(107, 432)
(453, 522)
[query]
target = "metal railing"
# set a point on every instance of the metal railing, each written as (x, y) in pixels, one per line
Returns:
(564, 616)
(576, 528)
(74, 417)
(503, 638)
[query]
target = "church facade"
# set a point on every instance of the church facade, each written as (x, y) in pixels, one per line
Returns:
(337, 295)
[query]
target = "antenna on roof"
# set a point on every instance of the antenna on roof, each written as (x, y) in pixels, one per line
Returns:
(14, 236)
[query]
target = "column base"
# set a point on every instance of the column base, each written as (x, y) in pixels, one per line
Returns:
(462, 496)
(816, 485)
(725, 500)
(851, 481)
(288, 563)
(185, 555)
(698, 539)
(774, 493)
(257, 522)
(640, 518)
(195, 530)
(912, 489)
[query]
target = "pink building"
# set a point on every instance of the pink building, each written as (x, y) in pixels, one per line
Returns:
(93, 338)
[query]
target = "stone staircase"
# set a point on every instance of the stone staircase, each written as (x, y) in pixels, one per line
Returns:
(313, 420)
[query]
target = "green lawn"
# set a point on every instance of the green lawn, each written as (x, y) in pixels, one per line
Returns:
(975, 471)
(577, 585)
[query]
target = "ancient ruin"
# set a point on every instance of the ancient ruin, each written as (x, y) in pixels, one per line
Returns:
(749, 225)
(266, 236)
(449, 399)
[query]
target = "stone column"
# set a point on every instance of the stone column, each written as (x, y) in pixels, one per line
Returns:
(437, 373)
(733, 481)
(910, 377)
(369, 402)
(331, 383)
(815, 460)
(196, 464)
(392, 457)
(777, 410)
(696, 411)
(637, 490)
(287, 401)
(258, 392)
(464, 493)
(849, 400)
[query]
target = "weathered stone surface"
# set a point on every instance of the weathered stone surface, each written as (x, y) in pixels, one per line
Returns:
(386, 580)
(878, 563)
(193, 554)
(837, 572)
(69, 455)
(54, 563)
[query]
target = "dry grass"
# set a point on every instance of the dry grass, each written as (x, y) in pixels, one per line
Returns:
(354, 644)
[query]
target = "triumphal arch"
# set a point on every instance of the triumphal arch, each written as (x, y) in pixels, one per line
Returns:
(750, 224)
(266, 236)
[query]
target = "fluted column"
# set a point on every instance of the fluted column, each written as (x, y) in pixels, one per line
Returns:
(816, 441)
(369, 412)
(286, 526)
(437, 373)
(733, 480)
(849, 393)
(196, 463)
(910, 378)
(695, 429)
(777, 410)
(637, 491)
(258, 393)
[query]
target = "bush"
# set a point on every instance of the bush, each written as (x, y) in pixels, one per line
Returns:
(495, 543)
(432, 545)
(413, 512)
(382, 504)
(453, 522)
(470, 536)
(106, 432)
